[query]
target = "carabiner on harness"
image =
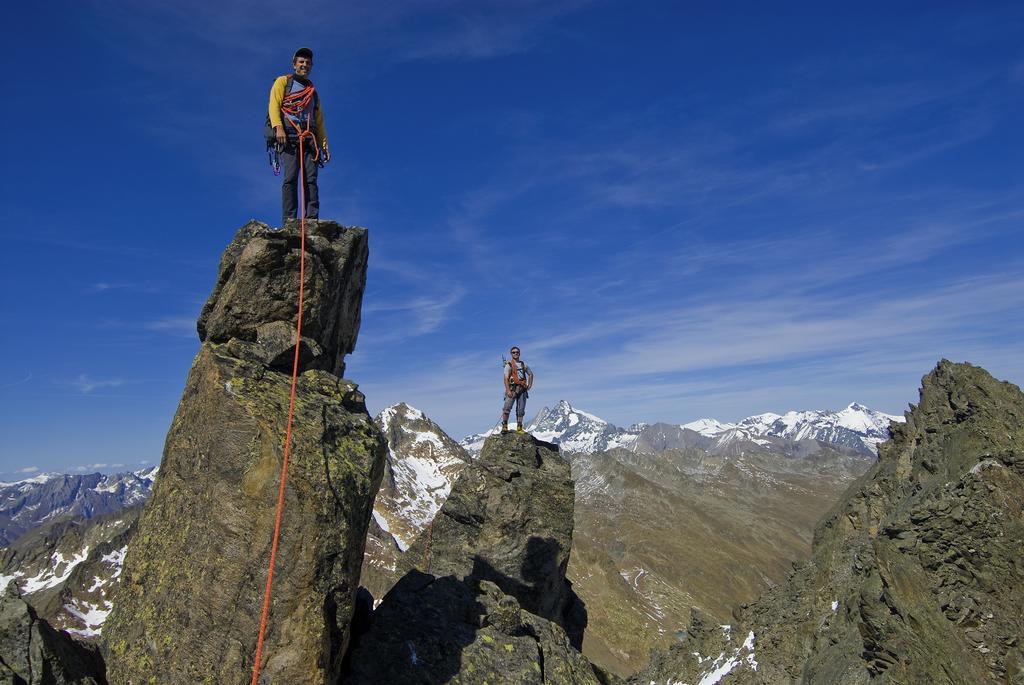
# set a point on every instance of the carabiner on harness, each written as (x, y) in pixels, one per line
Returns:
(274, 156)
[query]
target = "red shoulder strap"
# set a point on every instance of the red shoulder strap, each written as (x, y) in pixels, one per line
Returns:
(514, 373)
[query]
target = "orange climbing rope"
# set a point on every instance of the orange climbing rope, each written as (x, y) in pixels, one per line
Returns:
(295, 372)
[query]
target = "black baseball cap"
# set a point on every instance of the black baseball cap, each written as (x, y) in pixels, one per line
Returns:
(302, 52)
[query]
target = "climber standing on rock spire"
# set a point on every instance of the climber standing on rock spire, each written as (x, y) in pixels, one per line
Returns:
(294, 113)
(518, 379)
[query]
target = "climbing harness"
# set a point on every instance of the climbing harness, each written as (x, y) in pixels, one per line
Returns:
(513, 374)
(295, 372)
(301, 105)
(296, 105)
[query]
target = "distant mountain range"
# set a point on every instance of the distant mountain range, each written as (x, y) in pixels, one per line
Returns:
(64, 538)
(746, 494)
(856, 428)
(27, 504)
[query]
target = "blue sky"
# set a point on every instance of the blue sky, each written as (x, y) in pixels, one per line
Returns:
(676, 209)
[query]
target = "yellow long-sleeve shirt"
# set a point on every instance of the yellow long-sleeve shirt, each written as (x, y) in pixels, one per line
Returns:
(274, 110)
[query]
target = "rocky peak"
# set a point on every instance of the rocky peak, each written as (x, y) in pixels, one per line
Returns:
(189, 603)
(915, 573)
(575, 430)
(508, 519)
(485, 597)
(422, 463)
(255, 295)
(34, 653)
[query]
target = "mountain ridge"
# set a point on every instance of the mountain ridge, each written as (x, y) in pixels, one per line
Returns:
(856, 428)
(629, 560)
(912, 572)
(26, 504)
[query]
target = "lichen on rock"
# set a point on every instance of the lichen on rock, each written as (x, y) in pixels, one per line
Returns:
(188, 609)
(33, 653)
(509, 520)
(915, 574)
(503, 612)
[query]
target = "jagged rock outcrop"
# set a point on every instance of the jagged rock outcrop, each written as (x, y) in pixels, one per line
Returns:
(422, 464)
(443, 630)
(916, 573)
(504, 611)
(68, 569)
(188, 609)
(34, 653)
(509, 520)
(254, 299)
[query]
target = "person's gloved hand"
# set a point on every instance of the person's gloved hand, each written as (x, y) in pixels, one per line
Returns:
(282, 138)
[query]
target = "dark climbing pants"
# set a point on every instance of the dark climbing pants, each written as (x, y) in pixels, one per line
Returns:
(290, 181)
(519, 399)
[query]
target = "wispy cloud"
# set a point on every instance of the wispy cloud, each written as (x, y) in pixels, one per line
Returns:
(487, 29)
(417, 316)
(86, 385)
(82, 468)
(759, 354)
(107, 286)
(404, 29)
(28, 469)
(20, 381)
(183, 326)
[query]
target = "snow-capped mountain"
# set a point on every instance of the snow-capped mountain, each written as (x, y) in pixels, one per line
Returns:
(577, 431)
(856, 428)
(570, 428)
(474, 443)
(28, 503)
(68, 569)
(421, 465)
(708, 427)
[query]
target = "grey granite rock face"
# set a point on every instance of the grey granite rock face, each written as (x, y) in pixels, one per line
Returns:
(188, 608)
(33, 653)
(257, 285)
(443, 630)
(509, 520)
(916, 573)
(504, 612)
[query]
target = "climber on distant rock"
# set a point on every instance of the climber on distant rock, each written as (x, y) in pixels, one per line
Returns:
(518, 379)
(294, 112)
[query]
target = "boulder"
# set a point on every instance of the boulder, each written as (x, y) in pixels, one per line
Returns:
(257, 284)
(444, 630)
(34, 653)
(188, 608)
(509, 520)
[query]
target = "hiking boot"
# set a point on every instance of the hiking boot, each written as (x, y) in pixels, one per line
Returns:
(519, 428)
(504, 428)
